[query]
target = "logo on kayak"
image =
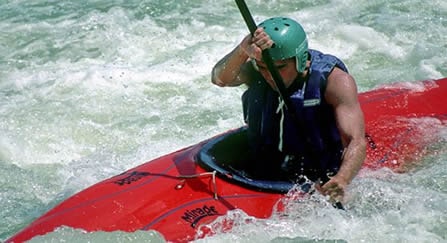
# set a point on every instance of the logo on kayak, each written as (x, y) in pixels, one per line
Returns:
(132, 177)
(195, 215)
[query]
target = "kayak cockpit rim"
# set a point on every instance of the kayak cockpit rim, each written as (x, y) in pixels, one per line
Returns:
(226, 154)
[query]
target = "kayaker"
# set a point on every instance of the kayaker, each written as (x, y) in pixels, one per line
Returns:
(321, 136)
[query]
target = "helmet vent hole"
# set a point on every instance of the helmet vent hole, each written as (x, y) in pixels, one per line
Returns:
(286, 24)
(276, 28)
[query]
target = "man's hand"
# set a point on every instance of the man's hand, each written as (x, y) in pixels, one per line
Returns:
(254, 45)
(334, 188)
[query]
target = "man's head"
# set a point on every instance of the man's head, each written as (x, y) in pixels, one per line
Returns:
(289, 39)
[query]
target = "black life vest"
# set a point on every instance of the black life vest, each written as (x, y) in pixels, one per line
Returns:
(309, 138)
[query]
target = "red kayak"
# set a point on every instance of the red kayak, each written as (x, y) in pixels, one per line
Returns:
(177, 193)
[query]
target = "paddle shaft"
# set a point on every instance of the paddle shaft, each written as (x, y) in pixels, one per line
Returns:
(266, 58)
(338, 205)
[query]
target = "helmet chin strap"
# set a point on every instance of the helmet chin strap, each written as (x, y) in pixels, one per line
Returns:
(298, 83)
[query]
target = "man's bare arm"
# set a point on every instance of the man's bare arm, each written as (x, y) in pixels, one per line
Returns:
(342, 93)
(229, 70)
(232, 69)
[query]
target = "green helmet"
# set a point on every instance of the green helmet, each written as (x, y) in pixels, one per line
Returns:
(289, 40)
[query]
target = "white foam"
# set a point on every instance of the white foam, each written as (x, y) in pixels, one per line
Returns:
(66, 234)
(367, 38)
(413, 86)
(431, 67)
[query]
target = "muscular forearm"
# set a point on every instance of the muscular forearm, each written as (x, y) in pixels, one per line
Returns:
(353, 158)
(227, 72)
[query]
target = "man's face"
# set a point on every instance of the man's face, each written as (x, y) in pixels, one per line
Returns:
(286, 68)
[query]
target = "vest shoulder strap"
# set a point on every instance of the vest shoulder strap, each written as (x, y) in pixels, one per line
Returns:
(322, 65)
